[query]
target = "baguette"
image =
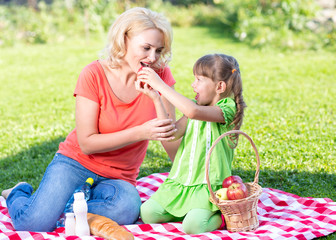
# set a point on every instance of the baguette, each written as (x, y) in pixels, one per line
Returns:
(104, 227)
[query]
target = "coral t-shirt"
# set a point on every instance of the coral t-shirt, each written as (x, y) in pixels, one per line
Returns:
(114, 116)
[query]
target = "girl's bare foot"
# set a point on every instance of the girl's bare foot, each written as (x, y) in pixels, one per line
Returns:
(6, 192)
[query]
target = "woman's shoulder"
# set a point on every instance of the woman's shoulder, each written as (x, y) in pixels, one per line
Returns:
(92, 70)
(92, 66)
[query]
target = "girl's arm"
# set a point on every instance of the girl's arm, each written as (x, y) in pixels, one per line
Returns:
(91, 141)
(189, 108)
(164, 110)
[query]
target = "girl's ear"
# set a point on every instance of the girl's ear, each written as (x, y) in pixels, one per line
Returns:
(221, 87)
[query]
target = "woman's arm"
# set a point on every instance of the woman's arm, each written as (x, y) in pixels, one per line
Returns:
(164, 109)
(90, 141)
(189, 108)
(172, 146)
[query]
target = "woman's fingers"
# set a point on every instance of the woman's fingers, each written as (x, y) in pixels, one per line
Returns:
(160, 129)
(166, 131)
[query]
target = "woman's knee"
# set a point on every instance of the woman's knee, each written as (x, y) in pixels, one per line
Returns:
(117, 200)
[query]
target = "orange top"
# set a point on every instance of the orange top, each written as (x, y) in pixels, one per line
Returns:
(114, 116)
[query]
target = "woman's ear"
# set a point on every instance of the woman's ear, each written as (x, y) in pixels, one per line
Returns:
(221, 87)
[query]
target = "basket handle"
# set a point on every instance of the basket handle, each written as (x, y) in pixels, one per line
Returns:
(256, 176)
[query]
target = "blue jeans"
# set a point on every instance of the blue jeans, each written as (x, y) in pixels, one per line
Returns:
(112, 198)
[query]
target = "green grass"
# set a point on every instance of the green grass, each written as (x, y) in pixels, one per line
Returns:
(291, 114)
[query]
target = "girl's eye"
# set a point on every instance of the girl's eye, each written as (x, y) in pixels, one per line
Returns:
(159, 51)
(147, 48)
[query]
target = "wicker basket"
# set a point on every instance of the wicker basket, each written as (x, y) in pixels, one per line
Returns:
(240, 215)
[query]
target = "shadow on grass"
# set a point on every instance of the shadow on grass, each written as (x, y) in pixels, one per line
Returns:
(217, 30)
(303, 184)
(29, 165)
(155, 162)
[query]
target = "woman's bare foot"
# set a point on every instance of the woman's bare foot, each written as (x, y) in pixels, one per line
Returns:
(6, 192)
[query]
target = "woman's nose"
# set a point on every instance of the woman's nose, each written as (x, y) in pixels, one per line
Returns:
(152, 56)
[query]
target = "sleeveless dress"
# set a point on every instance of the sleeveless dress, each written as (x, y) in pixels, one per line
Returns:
(186, 187)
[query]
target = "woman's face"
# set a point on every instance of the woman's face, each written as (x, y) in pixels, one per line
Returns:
(144, 49)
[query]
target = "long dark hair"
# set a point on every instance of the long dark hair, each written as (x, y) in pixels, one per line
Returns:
(221, 67)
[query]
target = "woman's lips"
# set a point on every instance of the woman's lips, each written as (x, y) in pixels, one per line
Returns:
(143, 64)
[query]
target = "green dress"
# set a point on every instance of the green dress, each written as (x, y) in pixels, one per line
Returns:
(186, 187)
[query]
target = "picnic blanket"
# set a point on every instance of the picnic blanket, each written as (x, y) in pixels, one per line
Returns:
(281, 215)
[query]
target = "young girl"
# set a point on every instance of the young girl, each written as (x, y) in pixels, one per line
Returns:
(218, 108)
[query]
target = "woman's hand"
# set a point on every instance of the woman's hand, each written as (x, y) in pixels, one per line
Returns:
(159, 130)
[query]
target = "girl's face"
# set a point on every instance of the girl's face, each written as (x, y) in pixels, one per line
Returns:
(144, 49)
(205, 90)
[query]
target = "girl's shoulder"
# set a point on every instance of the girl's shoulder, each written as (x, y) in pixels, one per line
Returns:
(226, 101)
(229, 109)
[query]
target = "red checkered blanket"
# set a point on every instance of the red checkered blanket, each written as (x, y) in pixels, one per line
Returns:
(281, 215)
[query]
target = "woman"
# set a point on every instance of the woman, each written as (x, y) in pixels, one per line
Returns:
(114, 123)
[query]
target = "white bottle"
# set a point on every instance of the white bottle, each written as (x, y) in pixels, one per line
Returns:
(70, 224)
(80, 209)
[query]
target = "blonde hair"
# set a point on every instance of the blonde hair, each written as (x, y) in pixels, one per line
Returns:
(133, 22)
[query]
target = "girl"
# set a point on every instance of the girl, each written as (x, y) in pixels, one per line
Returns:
(218, 107)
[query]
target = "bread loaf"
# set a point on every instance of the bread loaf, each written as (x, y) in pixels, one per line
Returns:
(104, 227)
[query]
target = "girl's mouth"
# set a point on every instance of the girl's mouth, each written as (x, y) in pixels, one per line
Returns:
(197, 96)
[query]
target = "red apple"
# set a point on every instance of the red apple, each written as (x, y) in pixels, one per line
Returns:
(237, 190)
(142, 84)
(140, 69)
(231, 179)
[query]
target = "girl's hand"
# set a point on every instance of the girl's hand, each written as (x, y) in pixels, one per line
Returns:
(149, 76)
(146, 89)
(159, 129)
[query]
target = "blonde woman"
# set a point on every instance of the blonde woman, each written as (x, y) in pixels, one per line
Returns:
(114, 123)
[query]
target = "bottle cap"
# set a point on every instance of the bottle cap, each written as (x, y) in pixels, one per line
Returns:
(90, 181)
(79, 196)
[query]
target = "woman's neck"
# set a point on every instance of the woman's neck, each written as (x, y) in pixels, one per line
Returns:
(123, 73)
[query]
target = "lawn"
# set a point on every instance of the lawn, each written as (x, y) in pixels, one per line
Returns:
(291, 114)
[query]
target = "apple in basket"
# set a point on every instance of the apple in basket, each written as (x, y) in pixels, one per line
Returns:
(237, 190)
(231, 179)
(222, 194)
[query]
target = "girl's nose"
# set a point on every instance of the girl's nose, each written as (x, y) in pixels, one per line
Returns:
(193, 84)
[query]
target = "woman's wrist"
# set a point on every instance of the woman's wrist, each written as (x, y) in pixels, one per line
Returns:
(156, 98)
